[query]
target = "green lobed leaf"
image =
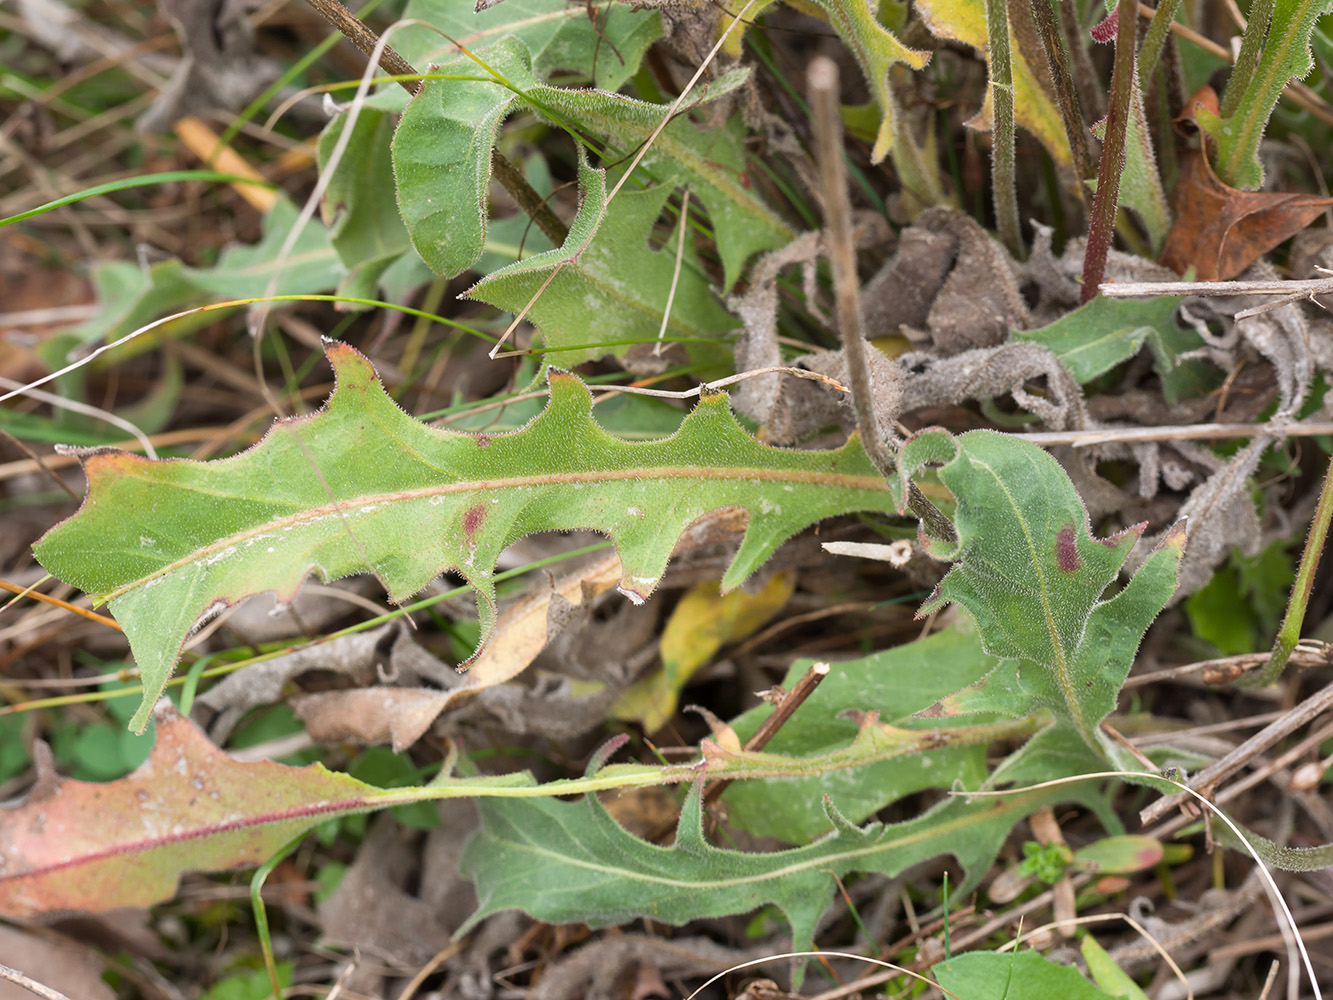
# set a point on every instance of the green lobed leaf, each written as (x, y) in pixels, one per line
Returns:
(606, 287)
(1285, 55)
(710, 162)
(991, 975)
(570, 861)
(359, 208)
(1028, 569)
(897, 683)
(1100, 334)
(130, 296)
(561, 36)
(441, 155)
(362, 487)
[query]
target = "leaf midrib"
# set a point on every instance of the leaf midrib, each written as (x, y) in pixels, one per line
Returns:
(668, 146)
(1061, 665)
(805, 864)
(352, 505)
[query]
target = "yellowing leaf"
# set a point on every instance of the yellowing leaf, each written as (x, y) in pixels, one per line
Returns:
(965, 21)
(703, 622)
(876, 49)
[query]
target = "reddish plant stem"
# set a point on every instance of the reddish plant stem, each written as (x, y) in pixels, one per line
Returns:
(790, 702)
(1101, 224)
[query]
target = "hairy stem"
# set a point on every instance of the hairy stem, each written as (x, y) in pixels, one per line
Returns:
(1004, 185)
(1066, 96)
(1101, 225)
(1247, 61)
(1289, 634)
(1159, 28)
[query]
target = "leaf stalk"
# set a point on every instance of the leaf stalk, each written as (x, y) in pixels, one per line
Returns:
(1004, 183)
(1101, 225)
(1289, 633)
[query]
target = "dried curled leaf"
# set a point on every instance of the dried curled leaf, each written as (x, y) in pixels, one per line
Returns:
(1220, 230)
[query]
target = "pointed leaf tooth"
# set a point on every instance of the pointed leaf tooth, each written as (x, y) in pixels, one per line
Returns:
(360, 486)
(1029, 571)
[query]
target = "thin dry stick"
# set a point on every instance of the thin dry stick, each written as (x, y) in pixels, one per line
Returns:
(14, 588)
(823, 81)
(1228, 764)
(1310, 653)
(31, 985)
(1185, 432)
(1272, 942)
(74, 406)
(1296, 289)
(34, 457)
(790, 702)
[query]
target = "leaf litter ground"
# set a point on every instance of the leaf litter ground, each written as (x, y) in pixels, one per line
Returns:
(392, 886)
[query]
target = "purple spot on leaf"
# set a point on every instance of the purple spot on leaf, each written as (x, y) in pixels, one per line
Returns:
(1066, 550)
(472, 519)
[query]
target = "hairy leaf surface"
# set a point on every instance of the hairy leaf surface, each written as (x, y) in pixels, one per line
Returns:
(605, 289)
(561, 36)
(571, 861)
(358, 206)
(1097, 336)
(362, 487)
(1030, 572)
(990, 975)
(441, 155)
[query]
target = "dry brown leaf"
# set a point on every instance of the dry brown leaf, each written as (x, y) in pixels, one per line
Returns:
(962, 277)
(394, 715)
(1220, 231)
(401, 715)
(389, 652)
(524, 629)
(372, 909)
